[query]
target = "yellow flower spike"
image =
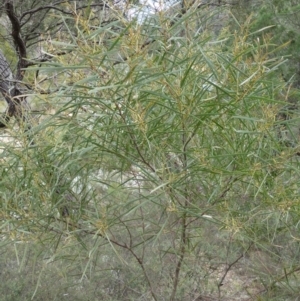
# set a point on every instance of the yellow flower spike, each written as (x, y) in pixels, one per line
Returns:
(101, 226)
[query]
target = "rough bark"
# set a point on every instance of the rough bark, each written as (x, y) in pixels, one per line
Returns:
(9, 88)
(9, 82)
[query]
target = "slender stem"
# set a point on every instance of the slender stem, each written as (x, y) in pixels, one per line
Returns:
(140, 262)
(184, 221)
(183, 241)
(228, 268)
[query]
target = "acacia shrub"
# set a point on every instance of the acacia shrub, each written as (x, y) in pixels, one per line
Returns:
(163, 164)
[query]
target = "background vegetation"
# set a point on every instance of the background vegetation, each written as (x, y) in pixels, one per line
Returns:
(162, 158)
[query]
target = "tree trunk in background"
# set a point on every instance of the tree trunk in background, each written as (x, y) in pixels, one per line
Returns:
(9, 87)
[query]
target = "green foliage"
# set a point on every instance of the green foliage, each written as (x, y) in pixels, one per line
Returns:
(282, 19)
(165, 167)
